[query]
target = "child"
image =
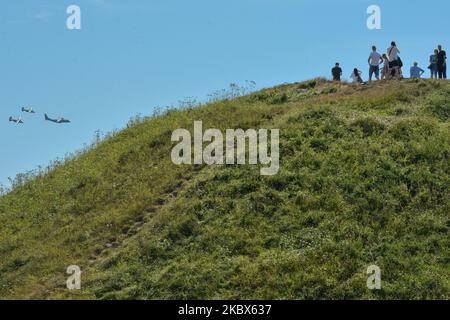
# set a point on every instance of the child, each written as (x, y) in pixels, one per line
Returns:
(385, 70)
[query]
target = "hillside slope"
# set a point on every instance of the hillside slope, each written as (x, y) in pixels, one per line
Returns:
(364, 179)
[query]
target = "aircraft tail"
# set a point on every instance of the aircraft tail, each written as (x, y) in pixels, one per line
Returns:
(46, 117)
(11, 119)
(23, 109)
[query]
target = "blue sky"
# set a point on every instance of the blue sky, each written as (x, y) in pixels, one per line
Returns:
(132, 56)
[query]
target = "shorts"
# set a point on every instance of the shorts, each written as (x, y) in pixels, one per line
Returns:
(394, 63)
(374, 69)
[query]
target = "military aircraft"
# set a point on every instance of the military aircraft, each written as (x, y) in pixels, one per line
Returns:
(28, 110)
(16, 120)
(59, 120)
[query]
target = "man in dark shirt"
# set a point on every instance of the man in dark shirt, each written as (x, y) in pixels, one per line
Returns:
(336, 72)
(442, 63)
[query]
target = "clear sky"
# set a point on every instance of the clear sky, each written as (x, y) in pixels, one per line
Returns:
(131, 56)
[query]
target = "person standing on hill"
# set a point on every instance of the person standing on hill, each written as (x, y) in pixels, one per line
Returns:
(336, 72)
(393, 52)
(395, 63)
(442, 63)
(434, 64)
(374, 62)
(416, 72)
(385, 70)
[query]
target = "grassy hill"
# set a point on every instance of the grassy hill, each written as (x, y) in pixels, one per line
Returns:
(364, 179)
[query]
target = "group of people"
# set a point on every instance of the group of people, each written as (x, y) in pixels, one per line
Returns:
(390, 66)
(438, 65)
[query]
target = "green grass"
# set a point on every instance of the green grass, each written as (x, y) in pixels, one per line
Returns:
(364, 179)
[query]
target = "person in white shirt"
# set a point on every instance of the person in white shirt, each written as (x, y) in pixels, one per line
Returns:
(393, 52)
(395, 63)
(374, 62)
(356, 76)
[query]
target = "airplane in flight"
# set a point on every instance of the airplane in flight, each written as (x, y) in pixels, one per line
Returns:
(59, 120)
(28, 110)
(16, 120)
